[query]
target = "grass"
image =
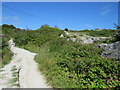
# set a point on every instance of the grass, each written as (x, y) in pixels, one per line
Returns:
(5, 51)
(63, 72)
(14, 80)
(2, 76)
(6, 57)
(67, 64)
(14, 68)
(31, 47)
(1, 70)
(101, 33)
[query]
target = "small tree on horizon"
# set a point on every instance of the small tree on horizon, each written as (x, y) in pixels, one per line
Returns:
(66, 29)
(46, 25)
(117, 26)
(117, 36)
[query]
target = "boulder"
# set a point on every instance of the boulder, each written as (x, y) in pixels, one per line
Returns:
(61, 35)
(112, 50)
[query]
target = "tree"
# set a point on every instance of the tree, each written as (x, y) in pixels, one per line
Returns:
(44, 26)
(117, 35)
(8, 26)
(66, 29)
(117, 26)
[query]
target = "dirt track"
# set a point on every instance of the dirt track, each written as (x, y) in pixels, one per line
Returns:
(28, 73)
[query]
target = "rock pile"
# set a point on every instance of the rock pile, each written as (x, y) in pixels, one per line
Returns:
(84, 39)
(112, 50)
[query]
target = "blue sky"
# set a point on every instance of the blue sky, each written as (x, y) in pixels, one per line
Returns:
(73, 15)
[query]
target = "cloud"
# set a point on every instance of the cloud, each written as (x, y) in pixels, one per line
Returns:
(105, 10)
(106, 7)
(88, 26)
(13, 19)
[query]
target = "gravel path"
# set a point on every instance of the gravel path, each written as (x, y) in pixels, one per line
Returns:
(26, 69)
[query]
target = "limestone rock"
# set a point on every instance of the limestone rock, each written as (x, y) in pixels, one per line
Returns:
(112, 50)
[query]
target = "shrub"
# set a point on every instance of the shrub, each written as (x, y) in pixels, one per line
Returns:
(117, 36)
(67, 64)
(66, 29)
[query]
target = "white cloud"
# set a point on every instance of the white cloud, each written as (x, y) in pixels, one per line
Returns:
(14, 19)
(106, 7)
(105, 10)
(88, 26)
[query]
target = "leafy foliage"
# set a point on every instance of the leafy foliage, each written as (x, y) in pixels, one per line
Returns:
(66, 29)
(101, 33)
(68, 64)
(7, 32)
(117, 36)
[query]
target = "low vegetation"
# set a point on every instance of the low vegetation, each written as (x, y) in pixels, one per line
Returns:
(67, 64)
(5, 36)
(14, 80)
(101, 33)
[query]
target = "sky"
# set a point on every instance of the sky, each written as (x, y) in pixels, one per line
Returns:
(71, 15)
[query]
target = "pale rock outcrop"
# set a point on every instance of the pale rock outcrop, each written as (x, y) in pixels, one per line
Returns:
(112, 50)
(84, 39)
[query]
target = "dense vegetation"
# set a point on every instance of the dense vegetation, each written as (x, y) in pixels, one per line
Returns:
(101, 33)
(6, 33)
(0, 44)
(67, 64)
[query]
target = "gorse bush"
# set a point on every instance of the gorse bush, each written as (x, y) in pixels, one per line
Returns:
(67, 64)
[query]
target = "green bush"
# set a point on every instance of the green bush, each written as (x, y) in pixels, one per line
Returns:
(101, 33)
(67, 64)
(66, 29)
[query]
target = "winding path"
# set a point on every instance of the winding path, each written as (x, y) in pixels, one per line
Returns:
(29, 75)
